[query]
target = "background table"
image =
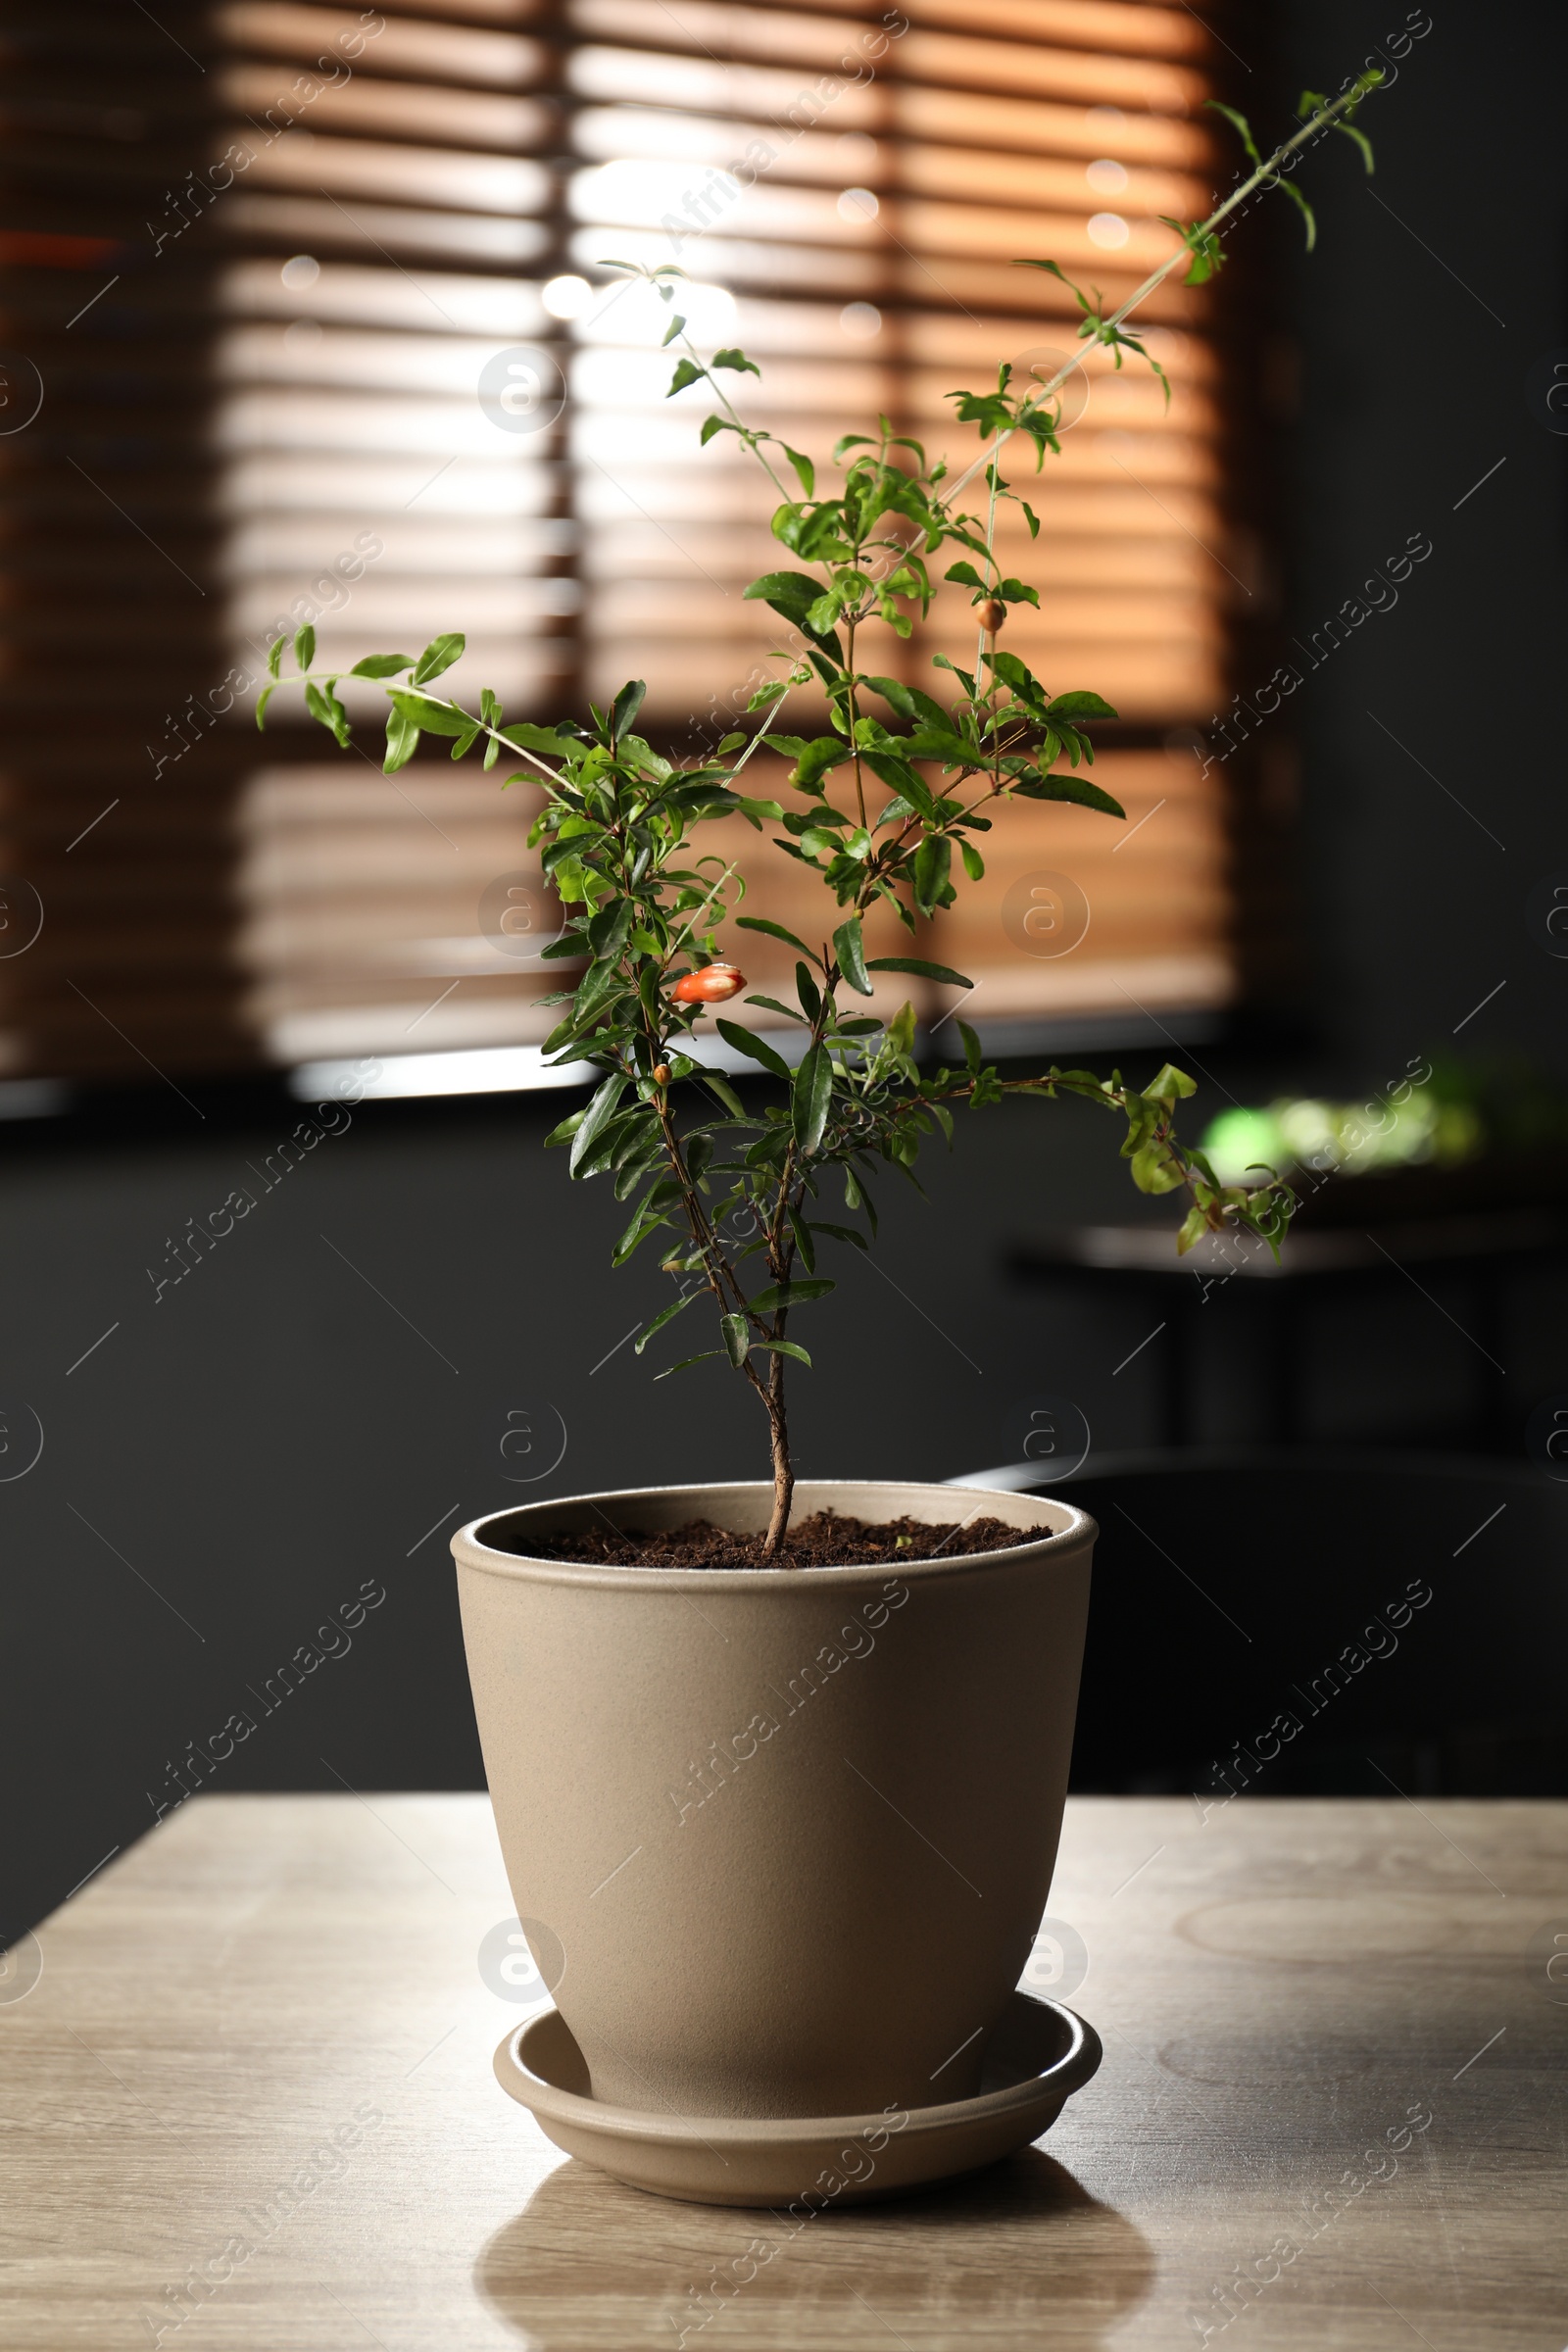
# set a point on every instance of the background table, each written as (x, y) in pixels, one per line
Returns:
(1240, 1280)
(259, 2054)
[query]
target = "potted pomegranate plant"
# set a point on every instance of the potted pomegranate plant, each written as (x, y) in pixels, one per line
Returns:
(778, 1768)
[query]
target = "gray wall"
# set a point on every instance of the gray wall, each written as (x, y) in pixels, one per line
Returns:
(1437, 287)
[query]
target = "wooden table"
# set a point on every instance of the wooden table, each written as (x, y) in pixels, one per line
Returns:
(259, 2054)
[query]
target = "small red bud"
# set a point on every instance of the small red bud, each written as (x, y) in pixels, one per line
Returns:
(711, 986)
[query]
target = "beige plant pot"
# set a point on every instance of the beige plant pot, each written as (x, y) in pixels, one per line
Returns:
(780, 1839)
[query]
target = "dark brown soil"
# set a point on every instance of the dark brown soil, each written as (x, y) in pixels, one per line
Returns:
(824, 1541)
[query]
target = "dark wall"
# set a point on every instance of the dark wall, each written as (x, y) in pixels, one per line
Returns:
(314, 1405)
(1427, 323)
(403, 1332)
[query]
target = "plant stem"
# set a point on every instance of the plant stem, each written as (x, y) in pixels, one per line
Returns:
(1266, 171)
(783, 1467)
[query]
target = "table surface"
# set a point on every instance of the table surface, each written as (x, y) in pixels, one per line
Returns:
(248, 2102)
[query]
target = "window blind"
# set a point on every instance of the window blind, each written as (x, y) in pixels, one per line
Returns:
(381, 380)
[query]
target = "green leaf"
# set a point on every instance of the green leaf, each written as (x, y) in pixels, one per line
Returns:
(840, 1233)
(974, 865)
(851, 952)
(436, 718)
(275, 657)
(1154, 1171)
(785, 1348)
(566, 1129)
(1361, 140)
(610, 928)
(402, 742)
(599, 1113)
(904, 779)
(785, 1295)
(736, 361)
(773, 1005)
(932, 861)
(805, 471)
(627, 703)
(1080, 703)
(755, 1049)
(803, 1238)
(685, 1361)
(523, 736)
(438, 655)
(676, 327)
(381, 665)
(724, 1091)
(1168, 1087)
(1033, 785)
(822, 753)
(922, 970)
(965, 573)
(1239, 124)
(668, 1316)
(325, 708)
(736, 1338)
(932, 741)
(792, 594)
(811, 1093)
(304, 646)
(687, 372)
(1193, 1227)
(910, 702)
(262, 701)
(1300, 200)
(757, 922)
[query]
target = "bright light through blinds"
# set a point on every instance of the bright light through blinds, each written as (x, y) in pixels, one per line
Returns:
(848, 193)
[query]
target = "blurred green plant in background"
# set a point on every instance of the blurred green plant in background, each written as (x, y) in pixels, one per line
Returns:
(1441, 1113)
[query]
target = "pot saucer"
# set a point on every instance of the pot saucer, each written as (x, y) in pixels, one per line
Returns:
(1038, 2055)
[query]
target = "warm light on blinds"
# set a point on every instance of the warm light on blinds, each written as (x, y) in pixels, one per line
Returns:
(849, 192)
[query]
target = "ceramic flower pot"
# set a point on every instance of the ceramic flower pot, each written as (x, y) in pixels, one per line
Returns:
(780, 1839)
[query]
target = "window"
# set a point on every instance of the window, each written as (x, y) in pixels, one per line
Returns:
(348, 354)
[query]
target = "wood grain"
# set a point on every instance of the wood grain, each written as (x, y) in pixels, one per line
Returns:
(259, 2056)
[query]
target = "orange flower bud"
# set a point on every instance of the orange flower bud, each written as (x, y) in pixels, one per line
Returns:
(711, 986)
(993, 613)
(661, 1074)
